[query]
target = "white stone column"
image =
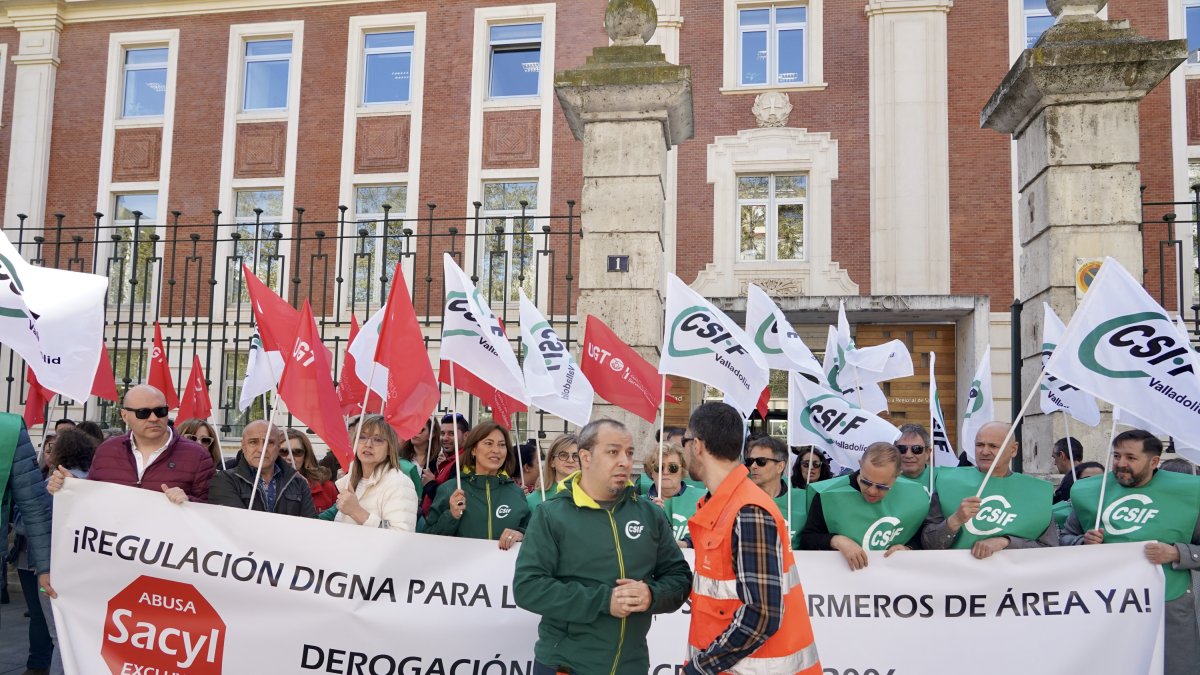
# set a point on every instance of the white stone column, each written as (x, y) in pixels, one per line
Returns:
(40, 25)
(910, 158)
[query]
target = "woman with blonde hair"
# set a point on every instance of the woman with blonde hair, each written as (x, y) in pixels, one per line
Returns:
(297, 449)
(678, 498)
(561, 461)
(375, 493)
(202, 432)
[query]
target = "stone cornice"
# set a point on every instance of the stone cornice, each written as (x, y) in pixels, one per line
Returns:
(875, 7)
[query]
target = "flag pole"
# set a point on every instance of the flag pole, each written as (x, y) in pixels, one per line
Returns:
(932, 420)
(787, 485)
(362, 409)
(270, 425)
(662, 422)
(433, 425)
(537, 453)
(454, 423)
(1112, 433)
(1012, 429)
(1070, 453)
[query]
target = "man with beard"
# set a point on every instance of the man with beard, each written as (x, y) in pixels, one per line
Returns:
(597, 562)
(1161, 508)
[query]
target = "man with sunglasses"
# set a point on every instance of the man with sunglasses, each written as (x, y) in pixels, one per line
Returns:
(872, 509)
(151, 456)
(914, 453)
(766, 460)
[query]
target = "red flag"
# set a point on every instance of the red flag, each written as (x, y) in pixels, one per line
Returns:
(618, 373)
(105, 385)
(195, 398)
(37, 398)
(350, 389)
(160, 372)
(412, 390)
(503, 406)
(307, 388)
(277, 321)
(764, 402)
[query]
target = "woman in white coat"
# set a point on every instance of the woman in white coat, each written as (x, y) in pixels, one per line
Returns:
(376, 493)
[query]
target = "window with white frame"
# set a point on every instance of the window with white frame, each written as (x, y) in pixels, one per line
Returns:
(515, 64)
(1191, 17)
(145, 82)
(133, 251)
(379, 241)
(507, 255)
(267, 68)
(387, 67)
(771, 217)
(1037, 20)
(257, 217)
(771, 42)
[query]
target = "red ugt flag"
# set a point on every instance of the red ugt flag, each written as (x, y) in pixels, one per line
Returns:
(307, 388)
(350, 389)
(412, 390)
(160, 373)
(36, 399)
(105, 384)
(195, 398)
(618, 373)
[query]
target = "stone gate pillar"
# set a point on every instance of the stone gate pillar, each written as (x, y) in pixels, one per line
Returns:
(629, 106)
(1071, 104)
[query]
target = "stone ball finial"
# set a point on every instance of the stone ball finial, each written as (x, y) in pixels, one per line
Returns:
(1076, 10)
(630, 22)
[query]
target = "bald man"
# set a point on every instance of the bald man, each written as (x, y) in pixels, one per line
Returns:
(151, 456)
(1014, 511)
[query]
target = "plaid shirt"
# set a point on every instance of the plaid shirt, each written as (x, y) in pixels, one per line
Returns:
(758, 561)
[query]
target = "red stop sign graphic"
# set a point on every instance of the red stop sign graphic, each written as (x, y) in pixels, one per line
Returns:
(160, 627)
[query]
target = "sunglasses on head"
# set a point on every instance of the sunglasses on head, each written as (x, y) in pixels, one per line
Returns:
(760, 461)
(914, 449)
(144, 413)
(206, 441)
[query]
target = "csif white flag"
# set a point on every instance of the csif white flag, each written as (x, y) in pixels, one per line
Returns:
(703, 344)
(263, 370)
(1123, 347)
(553, 379)
(473, 338)
(1128, 419)
(943, 449)
(842, 377)
(1058, 395)
(775, 337)
(363, 351)
(980, 408)
(54, 319)
(827, 420)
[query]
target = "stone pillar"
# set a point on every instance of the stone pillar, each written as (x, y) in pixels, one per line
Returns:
(629, 106)
(1071, 103)
(40, 26)
(910, 155)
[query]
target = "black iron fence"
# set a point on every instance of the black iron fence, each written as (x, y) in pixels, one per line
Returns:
(186, 275)
(1173, 226)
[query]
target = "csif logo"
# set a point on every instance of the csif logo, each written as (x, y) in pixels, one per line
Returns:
(700, 333)
(827, 420)
(503, 510)
(1149, 338)
(634, 529)
(993, 510)
(882, 533)
(767, 336)
(460, 311)
(974, 399)
(1122, 517)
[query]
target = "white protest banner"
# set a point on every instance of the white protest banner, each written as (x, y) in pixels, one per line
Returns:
(552, 378)
(203, 589)
(703, 344)
(1121, 346)
(775, 337)
(473, 338)
(943, 449)
(980, 408)
(54, 319)
(820, 417)
(1058, 395)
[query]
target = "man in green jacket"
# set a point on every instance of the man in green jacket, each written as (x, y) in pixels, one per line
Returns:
(596, 562)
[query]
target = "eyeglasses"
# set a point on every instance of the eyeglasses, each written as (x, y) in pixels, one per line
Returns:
(373, 440)
(206, 441)
(878, 486)
(673, 468)
(567, 456)
(760, 461)
(914, 449)
(816, 464)
(292, 453)
(144, 413)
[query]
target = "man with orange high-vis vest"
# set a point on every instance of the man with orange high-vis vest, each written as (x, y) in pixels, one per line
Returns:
(749, 616)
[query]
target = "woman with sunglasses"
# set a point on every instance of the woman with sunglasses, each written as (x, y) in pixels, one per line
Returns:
(489, 505)
(811, 467)
(562, 460)
(678, 499)
(376, 493)
(298, 451)
(200, 431)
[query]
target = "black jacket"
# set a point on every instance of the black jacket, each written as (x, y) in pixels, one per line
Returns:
(232, 487)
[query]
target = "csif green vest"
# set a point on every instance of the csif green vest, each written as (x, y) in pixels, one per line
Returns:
(893, 520)
(680, 508)
(1165, 509)
(1015, 505)
(797, 517)
(923, 479)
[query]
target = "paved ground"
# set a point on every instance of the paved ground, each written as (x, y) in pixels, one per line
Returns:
(14, 630)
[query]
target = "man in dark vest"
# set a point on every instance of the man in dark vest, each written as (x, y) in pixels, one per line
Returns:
(1162, 508)
(1014, 511)
(872, 509)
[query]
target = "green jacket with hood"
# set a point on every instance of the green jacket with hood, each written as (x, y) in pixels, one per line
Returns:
(573, 553)
(494, 504)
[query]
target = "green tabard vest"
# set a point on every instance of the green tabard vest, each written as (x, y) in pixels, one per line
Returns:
(1015, 505)
(797, 517)
(923, 479)
(1165, 509)
(680, 508)
(1061, 511)
(893, 520)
